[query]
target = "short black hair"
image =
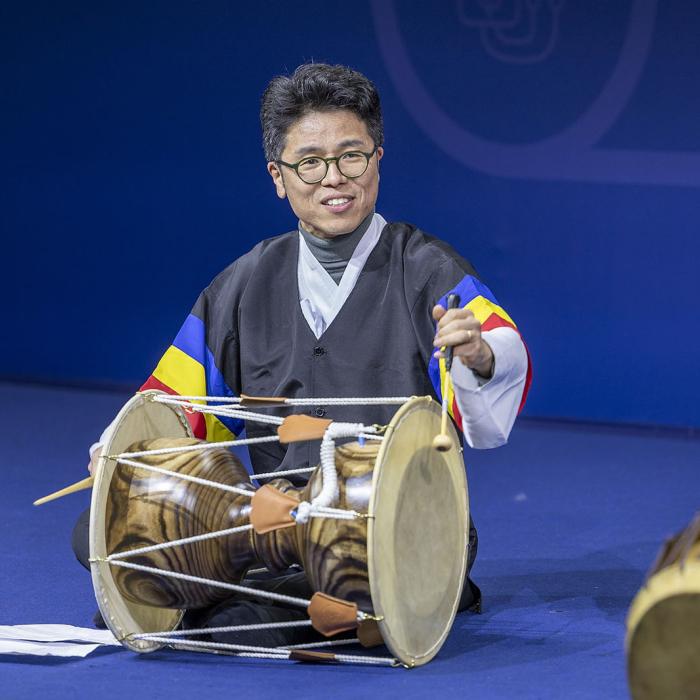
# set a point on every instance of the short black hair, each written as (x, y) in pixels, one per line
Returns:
(317, 87)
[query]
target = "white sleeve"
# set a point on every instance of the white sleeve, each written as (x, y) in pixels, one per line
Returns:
(100, 441)
(489, 406)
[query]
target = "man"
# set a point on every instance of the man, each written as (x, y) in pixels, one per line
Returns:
(346, 305)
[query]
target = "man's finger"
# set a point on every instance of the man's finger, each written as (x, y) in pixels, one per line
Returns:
(453, 315)
(465, 350)
(461, 336)
(438, 312)
(457, 324)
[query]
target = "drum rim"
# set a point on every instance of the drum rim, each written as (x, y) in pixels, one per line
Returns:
(374, 565)
(103, 583)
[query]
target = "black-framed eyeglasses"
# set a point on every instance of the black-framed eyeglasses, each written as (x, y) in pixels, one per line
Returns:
(313, 169)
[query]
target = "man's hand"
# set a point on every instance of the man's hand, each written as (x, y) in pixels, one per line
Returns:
(460, 329)
(93, 460)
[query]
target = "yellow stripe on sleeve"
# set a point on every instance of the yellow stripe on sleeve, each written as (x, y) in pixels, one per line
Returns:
(216, 430)
(184, 375)
(482, 308)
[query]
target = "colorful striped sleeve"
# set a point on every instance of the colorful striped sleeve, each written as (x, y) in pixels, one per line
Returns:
(187, 368)
(479, 299)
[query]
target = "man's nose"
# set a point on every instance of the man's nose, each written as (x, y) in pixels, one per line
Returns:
(333, 175)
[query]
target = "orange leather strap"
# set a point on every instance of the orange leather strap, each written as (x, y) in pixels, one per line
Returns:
(300, 427)
(271, 509)
(331, 615)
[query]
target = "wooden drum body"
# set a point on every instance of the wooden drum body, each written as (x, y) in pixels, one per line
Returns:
(663, 624)
(404, 562)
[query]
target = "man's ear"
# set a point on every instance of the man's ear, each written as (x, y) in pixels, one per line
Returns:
(276, 175)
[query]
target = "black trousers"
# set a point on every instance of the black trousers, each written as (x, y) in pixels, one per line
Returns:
(241, 609)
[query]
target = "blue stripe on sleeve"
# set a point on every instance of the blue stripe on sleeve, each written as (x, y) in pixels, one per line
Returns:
(191, 339)
(468, 288)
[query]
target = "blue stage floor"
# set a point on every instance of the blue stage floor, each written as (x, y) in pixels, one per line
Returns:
(569, 517)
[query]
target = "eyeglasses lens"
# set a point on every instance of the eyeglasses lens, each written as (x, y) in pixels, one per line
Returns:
(352, 164)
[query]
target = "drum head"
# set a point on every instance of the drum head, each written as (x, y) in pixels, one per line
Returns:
(139, 419)
(417, 539)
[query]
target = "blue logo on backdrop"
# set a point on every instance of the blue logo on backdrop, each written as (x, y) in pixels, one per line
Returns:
(528, 88)
(520, 31)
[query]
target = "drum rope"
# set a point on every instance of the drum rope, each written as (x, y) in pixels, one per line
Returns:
(232, 410)
(229, 412)
(271, 652)
(186, 477)
(327, 643)
(301, 602)
(313, 511)
(229, 628)
(199, 446)
(175, 641)
(371, 660)
(323, 401)
(273, 475)
(352, 401)
(338, 513)
(329, 474)
(176, 543)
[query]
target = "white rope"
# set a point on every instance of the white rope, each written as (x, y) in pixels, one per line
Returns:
(199, 446)
(323, 401)
(367, 436)
(353, 401)
(168, 639)
(211, 582)
(338, 513)
(175, 543)
(186, 477)
(371, 660)
(176, 398)
(271, 652)
(329, 489)
(328, 643)
(311, 510)
(234, 412)
(229, 628)
(270, 475)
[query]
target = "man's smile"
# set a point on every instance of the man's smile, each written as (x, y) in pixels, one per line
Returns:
(338, 203)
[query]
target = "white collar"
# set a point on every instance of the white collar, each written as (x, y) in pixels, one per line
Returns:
(319, 296)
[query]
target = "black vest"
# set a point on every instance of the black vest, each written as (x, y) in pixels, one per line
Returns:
(379, 344)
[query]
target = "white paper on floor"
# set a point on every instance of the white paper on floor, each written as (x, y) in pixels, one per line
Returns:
(53, 640)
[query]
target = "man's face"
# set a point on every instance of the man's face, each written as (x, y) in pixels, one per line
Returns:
(336, 205)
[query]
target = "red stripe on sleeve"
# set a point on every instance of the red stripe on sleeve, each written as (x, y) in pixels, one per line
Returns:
(456, 414)
(496, 321)
(196, 420)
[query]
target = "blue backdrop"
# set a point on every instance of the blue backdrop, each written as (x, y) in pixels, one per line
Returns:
(555, 143)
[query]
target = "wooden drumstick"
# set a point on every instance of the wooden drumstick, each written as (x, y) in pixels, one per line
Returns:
(443, 442)
(78, 486)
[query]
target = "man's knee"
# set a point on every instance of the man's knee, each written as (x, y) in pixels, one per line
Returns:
(80, 540)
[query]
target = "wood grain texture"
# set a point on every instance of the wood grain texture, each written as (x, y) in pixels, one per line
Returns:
(145, 509)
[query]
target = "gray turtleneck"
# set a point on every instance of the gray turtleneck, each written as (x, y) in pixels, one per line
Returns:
(334, 253)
